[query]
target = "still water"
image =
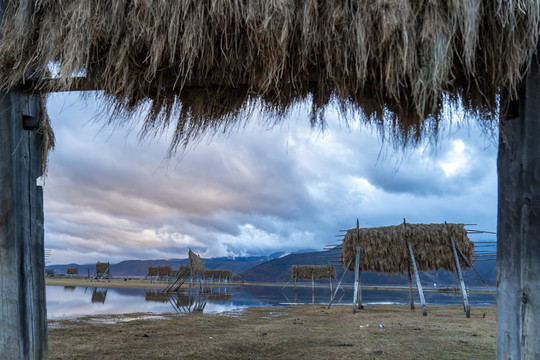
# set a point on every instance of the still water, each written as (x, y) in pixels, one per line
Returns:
(71, 302)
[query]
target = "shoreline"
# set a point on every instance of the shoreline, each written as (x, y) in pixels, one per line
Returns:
(136, 283)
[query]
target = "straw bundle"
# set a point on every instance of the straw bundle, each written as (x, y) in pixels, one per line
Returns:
(200, 65)
(196, 265)
(318, 271)
(72, 271)
(219, 274)
(159, 270)
(102, 268)
(384, 249)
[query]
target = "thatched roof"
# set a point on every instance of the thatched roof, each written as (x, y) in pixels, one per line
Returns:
(201, 65)
(384, 249)
(196, 264)
(219, 274)
(72, 271)
(159, 270)
(318, 271)
(102, 268)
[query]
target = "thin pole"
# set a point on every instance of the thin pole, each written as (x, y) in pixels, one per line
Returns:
(476, 272)
(410, 287)
(461, 281)
(339, 283)
(418, 284)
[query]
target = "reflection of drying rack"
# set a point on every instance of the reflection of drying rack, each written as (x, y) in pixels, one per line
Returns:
(99, 295)
(193, 300)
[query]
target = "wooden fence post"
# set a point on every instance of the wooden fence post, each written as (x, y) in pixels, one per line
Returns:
(23, 319)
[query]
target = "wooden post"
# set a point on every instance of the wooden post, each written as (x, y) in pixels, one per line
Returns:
(357, 297)
(418, 284)
(339, 283)
(312, 282)
(23, 329)
(518, 223)
(330, 277)
(410, 287)
(461, 281)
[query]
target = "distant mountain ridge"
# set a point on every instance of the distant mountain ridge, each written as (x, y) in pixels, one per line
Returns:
(277, 268)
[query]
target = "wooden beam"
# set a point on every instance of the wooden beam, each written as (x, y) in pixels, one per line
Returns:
(339, 283)
(410, 288)
(418, 284)
(356, 276)
(476, 272)
(23, 319)
(464, 296)
(518, 222)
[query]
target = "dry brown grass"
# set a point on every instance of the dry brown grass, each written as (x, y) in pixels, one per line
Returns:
(318, 271)
(384, 249)
(300, 332)
(200, 66)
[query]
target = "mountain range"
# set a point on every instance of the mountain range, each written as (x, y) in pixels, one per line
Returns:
(276, 268)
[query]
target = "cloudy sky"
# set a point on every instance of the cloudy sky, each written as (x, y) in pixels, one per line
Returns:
(109, 197)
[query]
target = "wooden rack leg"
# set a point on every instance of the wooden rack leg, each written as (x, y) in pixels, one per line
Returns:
(418, 284)
(461, 282)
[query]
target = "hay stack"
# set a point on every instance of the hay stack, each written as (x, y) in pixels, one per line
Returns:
(159, 270)
(219, 274)
(72, 271)
(102, 268)
(318, 271)
(203, 62)
(196, 265)
(384, 249)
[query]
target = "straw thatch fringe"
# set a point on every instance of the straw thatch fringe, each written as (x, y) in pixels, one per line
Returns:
(384, 249)
(72, 271)
(159, 270)
(102, 268)
(219, 274)
(196, 265)
(318, 271)
(197, 65)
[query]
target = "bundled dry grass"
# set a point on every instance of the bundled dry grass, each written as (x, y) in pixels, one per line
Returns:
(159, 270)
(384, 249)
(72, 271)
(102, 268)
(196, 265)
(197, 65)
(219, 274)
(318, 271)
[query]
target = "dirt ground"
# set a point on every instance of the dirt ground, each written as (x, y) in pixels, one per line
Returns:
(293, 332)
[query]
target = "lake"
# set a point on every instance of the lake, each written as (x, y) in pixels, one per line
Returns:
(71, 302)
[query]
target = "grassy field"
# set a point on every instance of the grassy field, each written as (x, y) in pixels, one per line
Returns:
(293, 332)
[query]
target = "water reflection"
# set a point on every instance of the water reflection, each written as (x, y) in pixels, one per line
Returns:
(70, 302)
(99, 295)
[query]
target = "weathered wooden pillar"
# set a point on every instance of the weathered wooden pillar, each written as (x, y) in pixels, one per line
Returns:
(464, 295)
(357, 296)
(23, 326)
(518, 224)
(410, 288)
(418, 283)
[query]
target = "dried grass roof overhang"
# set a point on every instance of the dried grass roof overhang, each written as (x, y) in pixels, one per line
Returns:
(201, 66)
(384, 249)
